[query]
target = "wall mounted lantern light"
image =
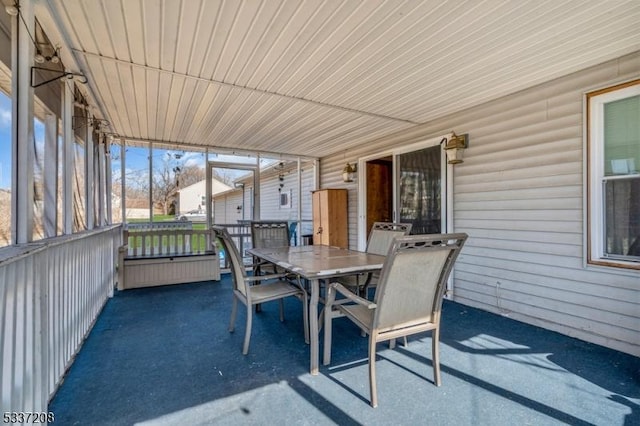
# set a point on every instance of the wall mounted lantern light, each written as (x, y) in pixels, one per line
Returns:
(349, 172)
(454, 147)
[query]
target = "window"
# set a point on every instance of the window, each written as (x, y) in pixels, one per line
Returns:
(285, 199)
(5, 169)
(614, 176)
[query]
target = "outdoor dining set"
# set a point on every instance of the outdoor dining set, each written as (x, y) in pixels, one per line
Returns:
(392, 290)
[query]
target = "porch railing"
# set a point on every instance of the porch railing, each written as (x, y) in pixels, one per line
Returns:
(241, 235)
(52, 292)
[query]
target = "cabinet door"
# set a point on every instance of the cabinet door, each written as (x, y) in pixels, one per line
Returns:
(335, 218)
(317, 217)
(330, 217)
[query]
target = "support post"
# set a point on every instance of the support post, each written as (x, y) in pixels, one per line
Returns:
(101, 158)
(123, 193)
(22, 139)
(89, 183)
(107, 181)
(151, 182)
(69, 158)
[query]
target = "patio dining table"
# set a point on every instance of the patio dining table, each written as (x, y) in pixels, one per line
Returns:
(315, 264)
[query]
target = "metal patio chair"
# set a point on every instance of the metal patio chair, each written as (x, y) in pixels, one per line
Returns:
(380, 239)
(268, 234)
(408, 298)
(272, 287)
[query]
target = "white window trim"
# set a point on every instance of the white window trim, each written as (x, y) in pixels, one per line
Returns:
(595, 174)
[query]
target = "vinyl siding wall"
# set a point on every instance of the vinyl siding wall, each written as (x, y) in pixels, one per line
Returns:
(269, 197)
(225, 208)
(520, 195)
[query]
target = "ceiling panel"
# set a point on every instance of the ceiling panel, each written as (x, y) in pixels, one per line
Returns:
(317, 77)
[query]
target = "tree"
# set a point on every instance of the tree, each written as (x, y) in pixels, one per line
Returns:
(169, 177)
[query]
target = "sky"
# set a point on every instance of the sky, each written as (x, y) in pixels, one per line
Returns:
(5, 141)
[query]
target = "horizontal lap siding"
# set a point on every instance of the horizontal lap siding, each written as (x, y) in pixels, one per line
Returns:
(270, 196)
(519, 195)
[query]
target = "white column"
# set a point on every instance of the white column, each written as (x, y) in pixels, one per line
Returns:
(69, 157)
(107, 180)
(101, 180)
(89, 183)
(208, 190)
(151, 182)
(50, 176)
(256, 191)
(123, 193)
(22, 139)
(299, 226)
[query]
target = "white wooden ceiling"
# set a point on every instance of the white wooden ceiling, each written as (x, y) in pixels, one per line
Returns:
(317, 77)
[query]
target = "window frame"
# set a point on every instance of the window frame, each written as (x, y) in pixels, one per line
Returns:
(596, 175)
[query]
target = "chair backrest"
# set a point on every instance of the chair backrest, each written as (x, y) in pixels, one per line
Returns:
(238, 273)
(269, 233)
(382, 235)
(413, 279)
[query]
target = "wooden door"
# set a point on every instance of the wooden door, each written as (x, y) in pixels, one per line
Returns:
(379, 191)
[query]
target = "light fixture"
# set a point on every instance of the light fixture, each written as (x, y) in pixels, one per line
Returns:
(349, 172)
(238, 185)
(58, 74)
(39, 58)
(54, 59)
(12, 10)
(98, 124)
(454, 148)
(239, 208)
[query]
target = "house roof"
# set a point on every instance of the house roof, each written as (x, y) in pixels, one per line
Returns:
(316, 78)
(216, 186)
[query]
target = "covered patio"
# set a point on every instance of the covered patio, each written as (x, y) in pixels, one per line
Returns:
(189, 370)
(514, 122)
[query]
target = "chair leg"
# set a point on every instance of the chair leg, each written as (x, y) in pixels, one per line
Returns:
(372, 372)
(435, 355)
(234, 310)
(327, 336)
(281, 302)
(327, 324)
(392, 342)
(305, 317)
(247, 333)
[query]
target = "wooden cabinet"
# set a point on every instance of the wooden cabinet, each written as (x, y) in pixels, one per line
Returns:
(330, 217)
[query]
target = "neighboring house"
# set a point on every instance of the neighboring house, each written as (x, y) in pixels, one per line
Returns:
(228, 207)
(278, 196)
(523, 196)
(193, 197)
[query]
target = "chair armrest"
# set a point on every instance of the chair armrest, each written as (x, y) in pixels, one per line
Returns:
(352, 296)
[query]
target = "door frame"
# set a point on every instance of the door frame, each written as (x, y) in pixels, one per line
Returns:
(255, 169)
(446, 184)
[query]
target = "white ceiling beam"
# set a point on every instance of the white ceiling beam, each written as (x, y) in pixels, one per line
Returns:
(217, 149)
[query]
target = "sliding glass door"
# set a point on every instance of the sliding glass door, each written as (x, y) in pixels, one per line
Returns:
(406, 185)
(418, 189)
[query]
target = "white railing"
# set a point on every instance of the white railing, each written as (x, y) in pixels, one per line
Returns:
(51, 294)
(164, 242)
